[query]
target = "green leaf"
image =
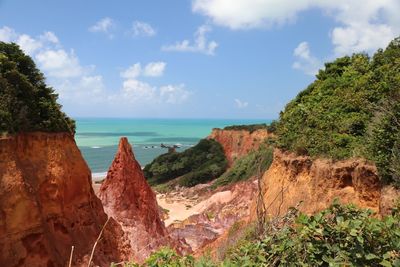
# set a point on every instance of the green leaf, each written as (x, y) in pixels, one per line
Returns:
(371, 256)
(385, 263)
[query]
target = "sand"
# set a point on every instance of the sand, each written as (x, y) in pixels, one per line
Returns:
(179, 209)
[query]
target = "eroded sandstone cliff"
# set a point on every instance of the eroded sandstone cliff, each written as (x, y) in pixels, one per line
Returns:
(47, 205)
(237, 143)
(316, 183)
(128, 198)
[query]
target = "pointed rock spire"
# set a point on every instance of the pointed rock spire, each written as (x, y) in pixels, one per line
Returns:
(128, 198)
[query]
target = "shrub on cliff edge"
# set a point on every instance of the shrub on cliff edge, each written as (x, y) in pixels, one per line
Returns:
(26, 103)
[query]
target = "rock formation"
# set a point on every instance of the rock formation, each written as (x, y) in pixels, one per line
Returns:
(237, 143)
(128, 198)
(292, 179)
(214, 212)
(47, 205)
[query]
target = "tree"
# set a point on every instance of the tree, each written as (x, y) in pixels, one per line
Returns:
(26, 103)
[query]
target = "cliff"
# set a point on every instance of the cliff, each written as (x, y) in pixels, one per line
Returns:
(237, 143)
(316, 183)
(47, 205)
(128, 198)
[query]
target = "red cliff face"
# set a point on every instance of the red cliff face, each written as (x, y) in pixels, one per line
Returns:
(47, 205)
(128, 198)
(316, 183)
(237, 143)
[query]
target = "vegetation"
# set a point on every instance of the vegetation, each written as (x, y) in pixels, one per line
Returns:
(247, 166)
(337, 116)
(26, 103)
(201, 163)
(337, 236)
(250, 127)
(384, 139)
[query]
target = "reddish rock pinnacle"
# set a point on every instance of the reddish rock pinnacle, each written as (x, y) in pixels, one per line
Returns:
(128, 198)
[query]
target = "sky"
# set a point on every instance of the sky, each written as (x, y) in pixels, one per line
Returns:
(190, 59)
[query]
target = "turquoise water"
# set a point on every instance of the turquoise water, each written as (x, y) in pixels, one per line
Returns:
(98, 138)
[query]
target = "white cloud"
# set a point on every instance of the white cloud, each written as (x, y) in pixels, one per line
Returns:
(356, 38)
(132, 72)
(135, 90)
(59, 63)
(241, 104)
(174, 94)
(105, 25)
(7, 34)
(140, 28)
(49, 37)
(154, 69)
(28, 44)
(305, 61)
(363, 25)
(200, 44)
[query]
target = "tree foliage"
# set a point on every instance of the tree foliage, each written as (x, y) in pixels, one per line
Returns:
(26, 103)
(338, 115)
(201, 163)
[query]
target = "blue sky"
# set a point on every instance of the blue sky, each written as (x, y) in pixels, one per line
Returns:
(190, 59)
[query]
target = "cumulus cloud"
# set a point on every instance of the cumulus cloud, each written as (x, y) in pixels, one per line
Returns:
(49, 37)
(135, 90)
(200, 43)
(132, 72)
(363, 25)
(174, 94)
(241, 104)
(140, 28)
(28, 44)
(60, 63)
(7, 34)
(154, 69)
(105, 25)
(305, 61)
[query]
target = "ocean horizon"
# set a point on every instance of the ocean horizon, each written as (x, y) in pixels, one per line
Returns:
(98, 138)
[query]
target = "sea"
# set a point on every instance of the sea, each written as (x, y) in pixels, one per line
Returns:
(98, 138)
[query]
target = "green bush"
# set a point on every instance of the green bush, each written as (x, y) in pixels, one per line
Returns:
(384, 140)
(337, 236)
(247, 166)
(340, 114)
(26, 103)
(201, 163)
(248, 127)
